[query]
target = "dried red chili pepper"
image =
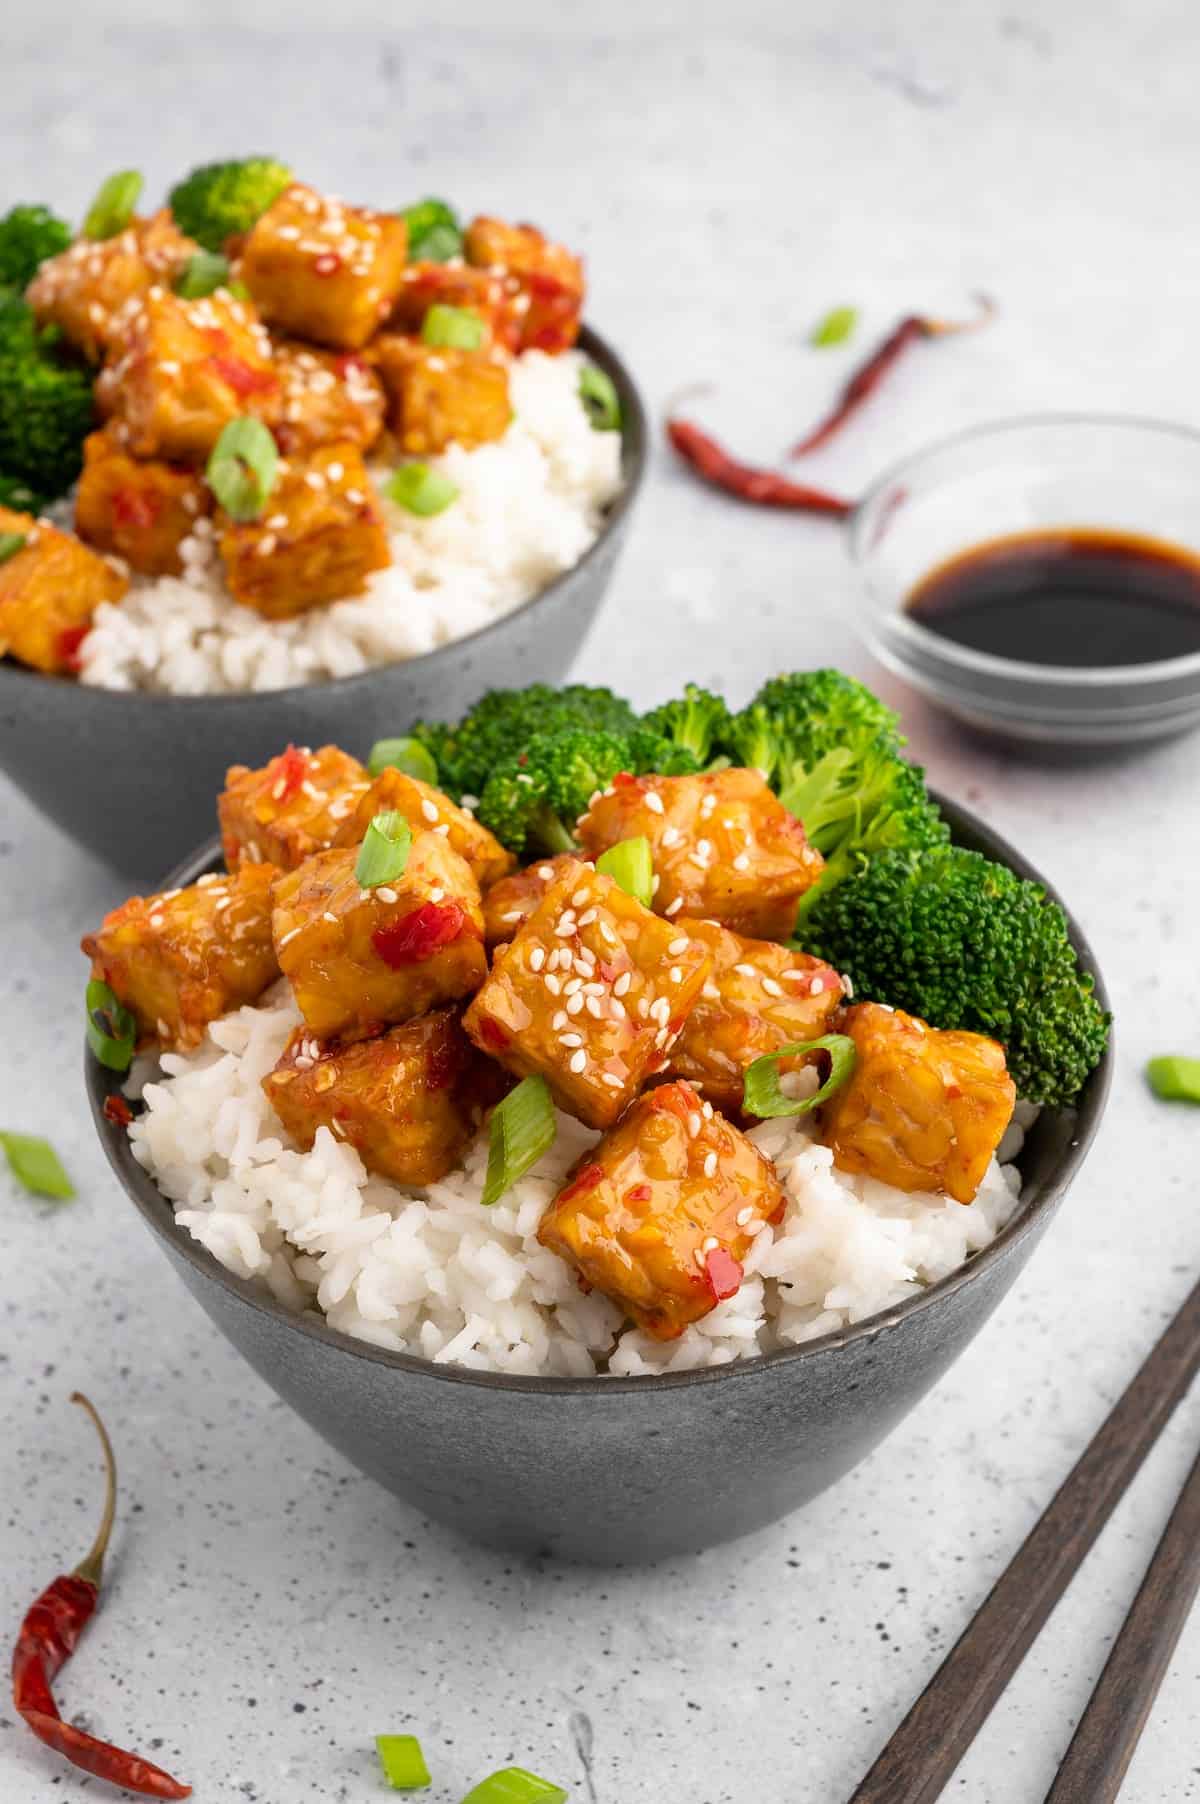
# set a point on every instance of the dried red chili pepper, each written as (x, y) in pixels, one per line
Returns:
(766, 488)
(47, 1640)
(867, 377)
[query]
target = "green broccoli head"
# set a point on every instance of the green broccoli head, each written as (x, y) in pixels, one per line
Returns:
(758, 739)
(814, 710)
(46, 412)
(505, 721)
(649, 751)
(28, 235)
(219, 201)
(534, 797)
(964, 943)
(18, 329)
(698, 721)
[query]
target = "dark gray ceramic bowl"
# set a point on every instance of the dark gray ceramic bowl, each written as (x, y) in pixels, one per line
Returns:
(623, 1470)
(134, 778)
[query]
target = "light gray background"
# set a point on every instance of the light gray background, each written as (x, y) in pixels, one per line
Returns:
(732, 172)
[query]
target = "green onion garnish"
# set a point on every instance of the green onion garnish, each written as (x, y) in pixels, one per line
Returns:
(421, 489)
(522, 1129)
(35, 1165)
(242, 467)
(599, 396)
(112, 209)
(762, 1094)
(630, 864)
(239, 291)
(408, 755)
(1174, 1078)
(111, 1029)
(836, 327)
(384, 850)
(203, 272)
(455, 327)
(513, 1785)
(433, 232)
(402, 1761)
(10, 544)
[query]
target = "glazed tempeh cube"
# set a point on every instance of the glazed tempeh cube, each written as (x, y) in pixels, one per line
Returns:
(179, 371)
(591, 994)
(323, 270)
(288, 809)
(326, 396)
(141, 511)
(759, 997)
(924, 1108)
(660, 1214)
(360, 959)
(439, 396)
(508, 904)
(318, 538)
(482, 291)
(549, 282)
(49, 589)
(86, 289)
(427, 809)
(724, 848)
(179, 960)
(407, 1102)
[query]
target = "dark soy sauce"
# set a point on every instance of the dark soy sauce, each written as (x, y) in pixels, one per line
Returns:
(1073, 597)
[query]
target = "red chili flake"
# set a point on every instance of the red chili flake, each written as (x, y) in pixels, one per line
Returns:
(348, 363)
(241, 378)
(625, 779)
(493, 1033)
(48, 1638)
(419, 934)
(723, 1272)
(327, 264)
(638, 1193)
(117, 1110)
(136, 508)
(765, 488)
(583, 1181)
(69, 642)
(290, 769)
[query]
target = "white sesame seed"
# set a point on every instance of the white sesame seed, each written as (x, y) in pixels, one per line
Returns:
(674, 907)
(707, 806)
(579, 898)
(565, 929)
(746, 970)
(710, 1166)
(585, 920)
(660, 1038)
(847, 986)
(537, 958)
(335, 472)
(386, 894)
(594, 1008)
(616, 1009)
(675, 974)
(570, 1040)
(444, 829)
(266, 544)
(552, 984)
(698, 1257)
(743, 1217)
(156, 920)
(817, 985)
(678, 946)
(437, 894)
(795, 975)
(559, 1020)
(654, 883)
(643, 1007)
(429, 809)
(711, 1243)
(694, 1123)
(573, 984)
(612, 1080)
(607, 934)
(742, 862)
(574, 1004)
(578, 1062)
(545, 872)
(593, 989)
(710, 992)
(706, 1109)
(771, 987)
(654, 802)
(514, 914)
(621, 986)
(671, 836)
(330, 917)
(704, 849)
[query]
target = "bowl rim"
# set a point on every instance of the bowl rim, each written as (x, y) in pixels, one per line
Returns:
(156, 1209)
(634, 459)
(964, 658)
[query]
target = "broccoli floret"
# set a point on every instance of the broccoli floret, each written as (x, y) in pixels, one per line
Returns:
(28, 235)
(533, 799)
(46, 412)
(756, 739)
(649, 751)
(698, 721)
(964, 943)
(18, 329)
(219, 201)
(504, 723)
(818, 709)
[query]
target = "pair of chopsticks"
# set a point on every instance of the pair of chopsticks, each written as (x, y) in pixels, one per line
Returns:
(921, 1756)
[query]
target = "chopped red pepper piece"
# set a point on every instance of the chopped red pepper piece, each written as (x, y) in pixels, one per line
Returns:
(583, 1181)
(419, 934)
(723, 1272)
(117, 1110)
(69, 642)
(291, 769)
(133, 508)
(241, 378)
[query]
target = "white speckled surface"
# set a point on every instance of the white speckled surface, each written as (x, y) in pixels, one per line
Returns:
(269, 1609)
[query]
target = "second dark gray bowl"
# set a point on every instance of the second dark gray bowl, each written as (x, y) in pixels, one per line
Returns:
(624, 1470)
(134, 777)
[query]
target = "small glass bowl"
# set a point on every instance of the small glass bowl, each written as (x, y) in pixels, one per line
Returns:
(1054, 471)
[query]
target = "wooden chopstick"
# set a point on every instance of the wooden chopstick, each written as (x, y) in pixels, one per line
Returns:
(922, 1754)
(1103, 1743)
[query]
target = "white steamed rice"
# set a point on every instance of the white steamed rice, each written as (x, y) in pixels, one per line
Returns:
(529, 506)
(433, 1273)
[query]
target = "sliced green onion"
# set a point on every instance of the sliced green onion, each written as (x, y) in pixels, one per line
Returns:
(434, 235)
(522, 1129)
(1174, 1078)
(239, 291)
(112, 209)
(35, 1165)
(402, 1761)
(421, 489)
(408, 755)
(10, 544)
(203, 272)
(455, 327)
(242, 468)
(513, 1785)
(836, 327)
(111, 1029)
(598, 393)
(762, 1094)
(384, 850)
(630, 864)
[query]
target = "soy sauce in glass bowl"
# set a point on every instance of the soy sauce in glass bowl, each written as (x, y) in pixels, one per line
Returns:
(1040, 579)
